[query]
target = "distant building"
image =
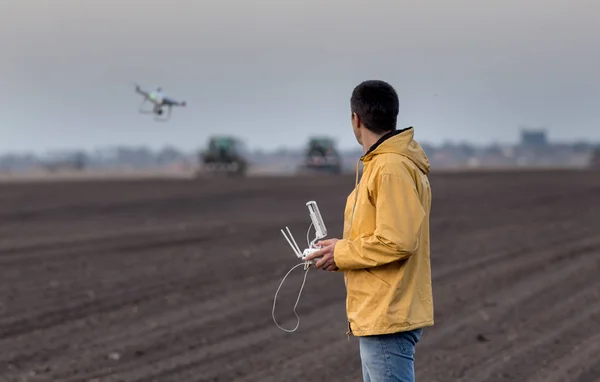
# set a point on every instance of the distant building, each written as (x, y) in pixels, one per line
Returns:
(534, 138)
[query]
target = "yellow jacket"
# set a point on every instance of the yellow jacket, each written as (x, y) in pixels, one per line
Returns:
(384, 252)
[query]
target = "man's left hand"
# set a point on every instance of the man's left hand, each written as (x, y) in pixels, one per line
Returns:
(326, 262)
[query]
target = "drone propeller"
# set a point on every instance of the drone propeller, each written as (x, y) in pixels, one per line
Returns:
(138, 88)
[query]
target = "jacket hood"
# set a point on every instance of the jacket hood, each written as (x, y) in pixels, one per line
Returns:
(400, 142)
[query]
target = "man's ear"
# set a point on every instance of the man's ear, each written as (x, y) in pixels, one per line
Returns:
(355, 121)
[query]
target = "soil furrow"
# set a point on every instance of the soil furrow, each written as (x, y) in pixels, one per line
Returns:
(573, 364)
(563, 324)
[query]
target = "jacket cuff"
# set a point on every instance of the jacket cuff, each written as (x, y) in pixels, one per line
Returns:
(341, 255)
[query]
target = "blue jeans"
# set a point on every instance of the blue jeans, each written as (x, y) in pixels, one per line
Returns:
(389, 357)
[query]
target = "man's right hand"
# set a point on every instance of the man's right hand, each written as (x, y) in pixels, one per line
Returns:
(326, 261)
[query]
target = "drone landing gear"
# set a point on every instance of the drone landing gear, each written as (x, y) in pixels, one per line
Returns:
(156, 110)
(142, 111)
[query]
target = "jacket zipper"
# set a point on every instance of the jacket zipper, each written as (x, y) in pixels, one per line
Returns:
(356, 187)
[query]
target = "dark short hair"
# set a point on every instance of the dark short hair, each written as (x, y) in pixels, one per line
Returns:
(376, 104)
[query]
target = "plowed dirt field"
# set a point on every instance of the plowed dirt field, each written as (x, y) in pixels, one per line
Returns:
(173, 280)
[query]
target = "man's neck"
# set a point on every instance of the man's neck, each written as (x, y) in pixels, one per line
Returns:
(369, 138)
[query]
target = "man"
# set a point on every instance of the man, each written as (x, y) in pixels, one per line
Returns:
(384, 253)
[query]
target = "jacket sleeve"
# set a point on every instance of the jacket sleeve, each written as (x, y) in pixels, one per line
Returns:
(399, 218)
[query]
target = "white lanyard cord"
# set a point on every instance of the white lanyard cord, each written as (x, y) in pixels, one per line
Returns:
(297, 300)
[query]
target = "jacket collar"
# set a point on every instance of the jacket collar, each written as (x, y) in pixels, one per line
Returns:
(383, 139)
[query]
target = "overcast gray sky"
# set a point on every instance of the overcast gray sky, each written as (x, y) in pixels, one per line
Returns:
(274, 72)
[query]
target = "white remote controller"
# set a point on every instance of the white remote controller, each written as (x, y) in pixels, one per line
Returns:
(309, 251)
(320, 233)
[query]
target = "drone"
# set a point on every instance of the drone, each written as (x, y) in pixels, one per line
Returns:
(159, 101)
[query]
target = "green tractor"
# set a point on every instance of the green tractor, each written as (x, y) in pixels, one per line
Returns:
(595, 158)
(321, 156)
(224, 155)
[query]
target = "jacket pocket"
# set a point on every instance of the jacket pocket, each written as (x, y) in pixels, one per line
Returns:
(364, 285)
(367, 294)
(372, 273)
